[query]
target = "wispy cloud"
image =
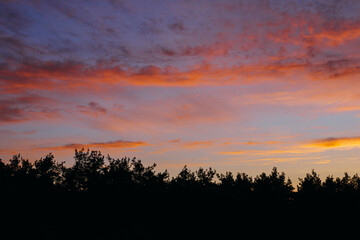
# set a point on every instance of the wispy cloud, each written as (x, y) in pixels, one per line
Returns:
(341, 142)
(119, 144)
(295, 150)
(71, 76)
(27, 107)
(301, 148)
(92, 108)
(322, 162)
(224, 79)
(198, 144)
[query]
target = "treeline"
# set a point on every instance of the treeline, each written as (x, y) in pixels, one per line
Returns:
(93, 172)
(101, 197)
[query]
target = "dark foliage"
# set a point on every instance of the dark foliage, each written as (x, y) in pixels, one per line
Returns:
(105, 198)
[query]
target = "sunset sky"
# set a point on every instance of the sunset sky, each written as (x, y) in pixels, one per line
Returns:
(239, 86)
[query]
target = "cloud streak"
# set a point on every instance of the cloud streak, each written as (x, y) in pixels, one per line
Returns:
(118, 144)
(27, 107)
(71, 75)
(335, 143)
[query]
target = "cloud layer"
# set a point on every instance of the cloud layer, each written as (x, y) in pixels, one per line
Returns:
(232, 83)
(118, 144)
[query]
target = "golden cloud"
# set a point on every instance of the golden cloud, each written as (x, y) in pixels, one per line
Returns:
(105, 145)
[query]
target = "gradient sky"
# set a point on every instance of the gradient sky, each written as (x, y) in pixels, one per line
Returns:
(239, 86)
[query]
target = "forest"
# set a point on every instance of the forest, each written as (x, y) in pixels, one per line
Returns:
(100, 197)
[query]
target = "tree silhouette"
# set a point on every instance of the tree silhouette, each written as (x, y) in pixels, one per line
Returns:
(273, 188)
(184, 180)
(310, 184)
(118, 174)
(205, 176)
(86, 172)
(310, 189)
(110, 198)
(48, 172)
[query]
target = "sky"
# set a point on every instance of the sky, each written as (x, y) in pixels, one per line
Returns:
(239, 86)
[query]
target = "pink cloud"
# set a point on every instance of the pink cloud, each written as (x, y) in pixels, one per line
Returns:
(119, 144)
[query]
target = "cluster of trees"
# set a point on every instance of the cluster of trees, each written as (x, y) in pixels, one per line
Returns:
(140, 198)
(91, 173)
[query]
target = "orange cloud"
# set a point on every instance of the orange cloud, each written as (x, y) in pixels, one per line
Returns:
(309, 29)
(260, 143)
(344, 142)
(198, 144)
(104, 145)
(93, 109)
(346, 108)
(271, 160)
(68, 76)
(335, 36)
(294, 149)
(315, 146)
(27, 107)
(205, 109)
(322, 162)
(243, 152)
(165, 114)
